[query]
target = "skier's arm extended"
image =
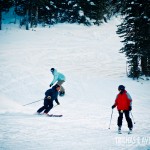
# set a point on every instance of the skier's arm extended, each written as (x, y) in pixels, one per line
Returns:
(56, 100)
(55, 73)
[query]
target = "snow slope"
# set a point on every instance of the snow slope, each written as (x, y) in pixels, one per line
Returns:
(89, 58)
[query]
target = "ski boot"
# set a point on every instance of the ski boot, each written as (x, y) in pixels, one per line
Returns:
(130, 131)
(119, 130)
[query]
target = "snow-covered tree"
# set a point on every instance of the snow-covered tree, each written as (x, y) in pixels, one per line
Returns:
(51, 12)
(135, 29)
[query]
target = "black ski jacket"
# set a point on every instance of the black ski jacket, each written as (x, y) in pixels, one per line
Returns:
(53, 93)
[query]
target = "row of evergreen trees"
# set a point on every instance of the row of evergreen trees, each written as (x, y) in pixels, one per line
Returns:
(49, 12)
(135, 28)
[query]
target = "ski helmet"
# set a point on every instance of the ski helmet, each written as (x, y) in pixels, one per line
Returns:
(52, 69)
(121, 87)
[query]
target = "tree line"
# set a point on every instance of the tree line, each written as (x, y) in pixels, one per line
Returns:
(134, 29)
(50, 12)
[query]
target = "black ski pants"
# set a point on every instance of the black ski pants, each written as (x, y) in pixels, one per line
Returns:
(48, 105)
(128, 119)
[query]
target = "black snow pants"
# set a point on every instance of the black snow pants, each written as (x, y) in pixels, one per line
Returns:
(48, 105)
(128, 119)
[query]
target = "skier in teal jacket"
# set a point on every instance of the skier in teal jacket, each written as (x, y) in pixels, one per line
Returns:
(60, 79)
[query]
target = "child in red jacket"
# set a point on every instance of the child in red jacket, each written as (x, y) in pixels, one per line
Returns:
(124, 105)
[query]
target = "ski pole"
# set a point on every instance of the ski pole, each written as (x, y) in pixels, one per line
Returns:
(110, 119)
(132, 118)
(33, 102)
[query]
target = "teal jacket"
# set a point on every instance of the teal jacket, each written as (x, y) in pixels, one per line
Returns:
(57, 76)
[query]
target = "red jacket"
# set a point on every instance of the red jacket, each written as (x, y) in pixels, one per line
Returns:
(123, 101)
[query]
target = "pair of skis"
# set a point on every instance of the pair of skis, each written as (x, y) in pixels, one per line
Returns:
(129, 132)
(49, 115)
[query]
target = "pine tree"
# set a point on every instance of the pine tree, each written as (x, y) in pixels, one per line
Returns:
(95, 10)
(22, 8)
(133, 29)
(75, 13)
(28, 10)
(144, 24)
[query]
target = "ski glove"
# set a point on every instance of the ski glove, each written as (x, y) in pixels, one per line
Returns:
(130, 108)
(51, 85)
(113, 106)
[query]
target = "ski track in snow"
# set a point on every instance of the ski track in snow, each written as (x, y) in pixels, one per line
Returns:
(90, 60)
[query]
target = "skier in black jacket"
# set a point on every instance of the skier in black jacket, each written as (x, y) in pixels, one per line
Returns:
(50, 96)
